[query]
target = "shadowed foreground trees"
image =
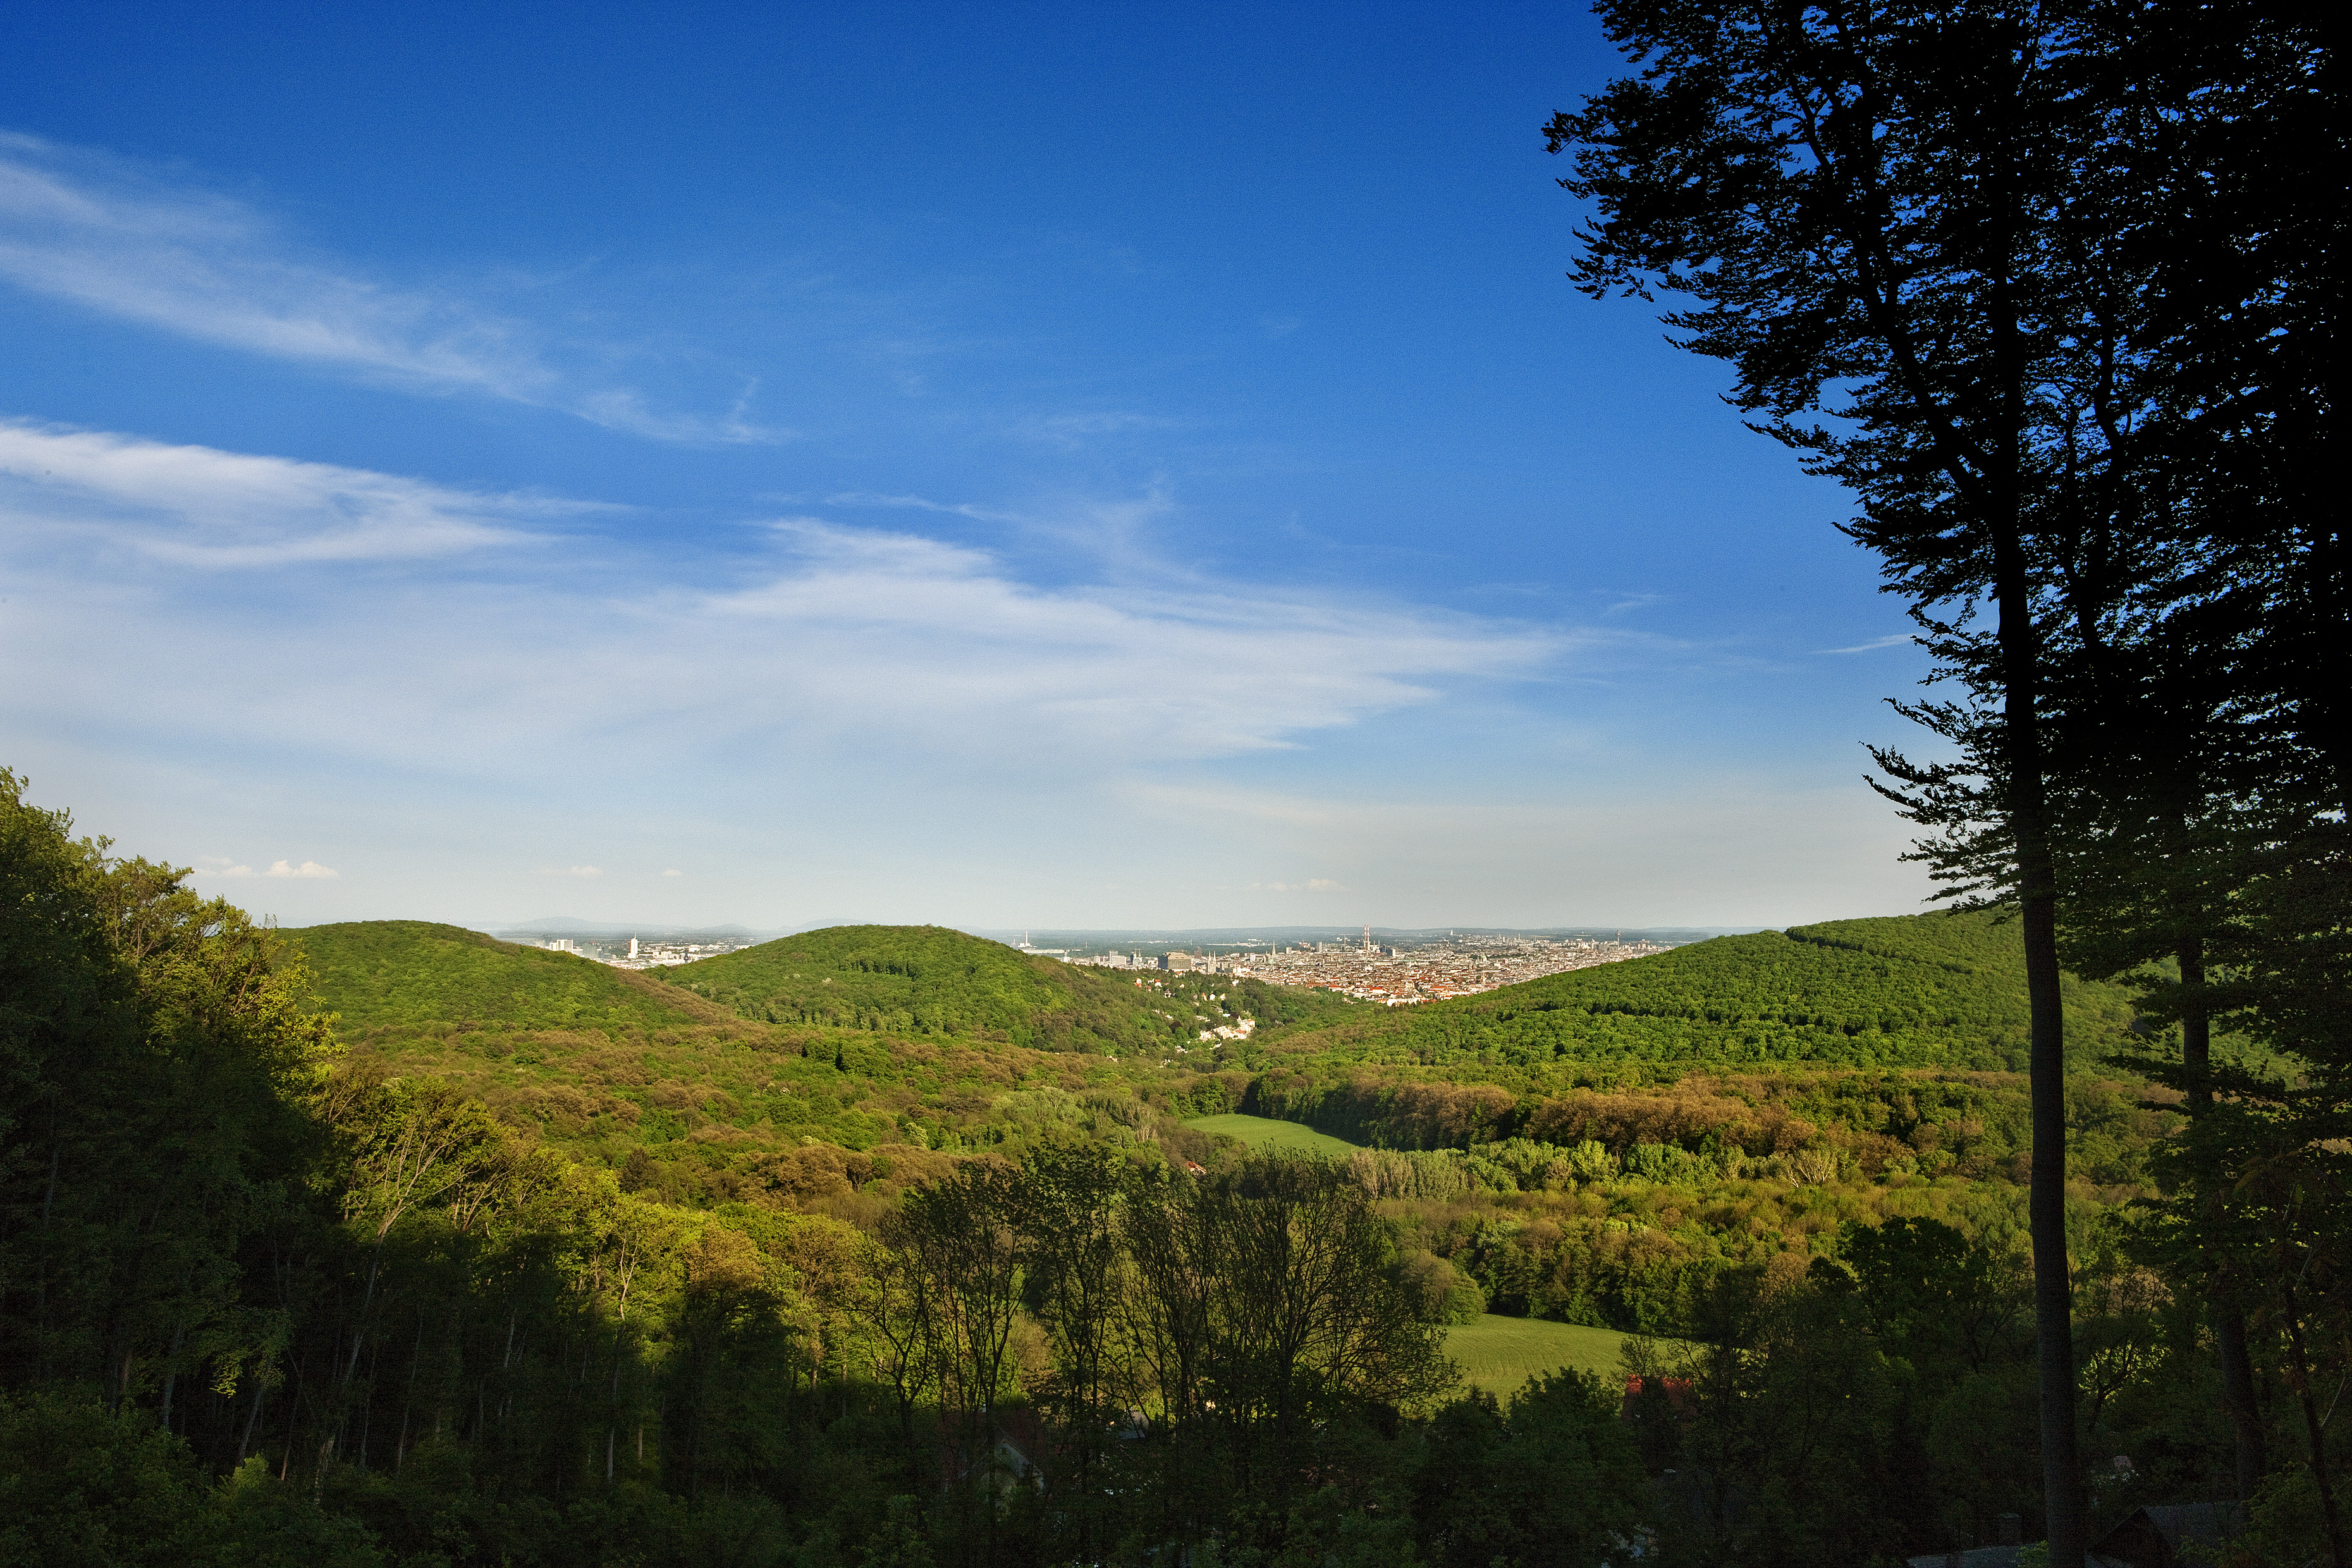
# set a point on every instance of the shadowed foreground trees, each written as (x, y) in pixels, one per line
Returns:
(155, 1054)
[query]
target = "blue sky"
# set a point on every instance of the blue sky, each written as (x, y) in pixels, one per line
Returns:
(1071, 465)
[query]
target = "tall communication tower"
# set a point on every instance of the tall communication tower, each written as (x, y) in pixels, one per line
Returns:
(1368, 938)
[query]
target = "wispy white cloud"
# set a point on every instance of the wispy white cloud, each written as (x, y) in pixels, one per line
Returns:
(1069, 432)
(198, 506)
(584, 873)
(944, 639)
(115, 239)
(871, 501)
(835, 638)
(1897, 640)
(1123, 532)
(221, 866)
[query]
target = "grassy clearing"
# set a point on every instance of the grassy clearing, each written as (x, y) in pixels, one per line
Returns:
(1499, 1353)
(1263, 1133)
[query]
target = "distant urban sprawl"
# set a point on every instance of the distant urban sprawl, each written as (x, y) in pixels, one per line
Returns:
(1392, 973)
(628, 953)
(1396, 975)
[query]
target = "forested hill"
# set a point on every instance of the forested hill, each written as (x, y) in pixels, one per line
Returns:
(911, 1035)
(1937, 991)
(388, 978)
(929, 979)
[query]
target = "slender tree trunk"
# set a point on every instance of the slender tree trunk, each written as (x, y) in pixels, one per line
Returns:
(172, 1372)
(2314, 1427)
(338, 1387)
(367, 1304)
(2237, 1365)
(2238, 1399)
(613, 1417)
(2054, 1294)
(408, 1396)
(367, 1411)
(293, 1429)
(41, 1281)
(261, 1392)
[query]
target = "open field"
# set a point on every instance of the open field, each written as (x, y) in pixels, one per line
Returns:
(1284, 1137)
(1499, 1353)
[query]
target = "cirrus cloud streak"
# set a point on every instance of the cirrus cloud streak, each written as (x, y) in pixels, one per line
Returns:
(111, 237)
(201, 507)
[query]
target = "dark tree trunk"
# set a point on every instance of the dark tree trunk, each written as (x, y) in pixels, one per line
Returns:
(2053, 1289)
(2314, 1427)
(2053, 1292)
(2237, 1401)
(260, 1391)
(2237, 1366)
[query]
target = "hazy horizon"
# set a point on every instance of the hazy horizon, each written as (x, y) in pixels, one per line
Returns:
(561, 925)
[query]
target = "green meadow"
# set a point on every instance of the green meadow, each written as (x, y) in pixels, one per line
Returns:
(1260, 1133)
(1497, 1353)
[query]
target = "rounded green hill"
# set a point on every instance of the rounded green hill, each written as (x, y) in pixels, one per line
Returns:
(931, 979)
(1906, 991)
(397, 975)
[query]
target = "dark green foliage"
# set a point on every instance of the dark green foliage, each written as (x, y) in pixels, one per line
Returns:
(385, 977)
(81, 1488)
(155, 1055)
(1930, 1296)
(58, 980)
(1551, 1480)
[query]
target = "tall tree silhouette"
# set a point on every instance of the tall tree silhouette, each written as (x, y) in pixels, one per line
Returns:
(1910, 228)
